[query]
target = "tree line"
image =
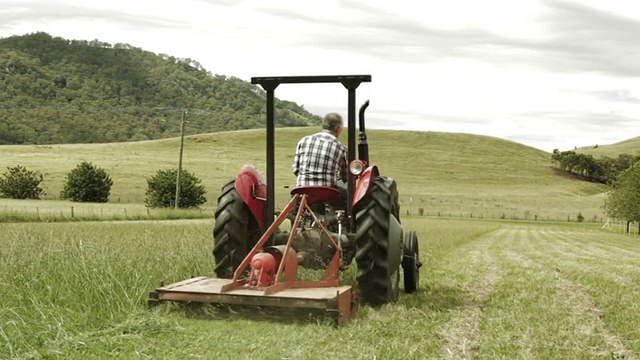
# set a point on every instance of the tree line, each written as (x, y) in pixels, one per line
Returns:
(603, 170)
(622, 174)
(54, 90)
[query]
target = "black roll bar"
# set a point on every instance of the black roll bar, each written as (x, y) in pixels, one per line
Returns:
(269, 84)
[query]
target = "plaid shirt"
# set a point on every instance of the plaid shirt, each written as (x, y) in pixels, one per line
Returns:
(320, 158)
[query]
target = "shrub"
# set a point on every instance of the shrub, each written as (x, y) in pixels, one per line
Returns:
(161, 190)
(87, 183)
(20, 183)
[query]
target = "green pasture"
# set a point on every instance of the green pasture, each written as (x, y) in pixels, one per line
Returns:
(629, 146)
(442, 174)
(489, 289)
(12, 210)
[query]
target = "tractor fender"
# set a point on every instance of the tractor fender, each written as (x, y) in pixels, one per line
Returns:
(363, 184)
(252, 189)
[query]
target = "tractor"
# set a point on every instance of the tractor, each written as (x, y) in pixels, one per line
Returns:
(326, 229)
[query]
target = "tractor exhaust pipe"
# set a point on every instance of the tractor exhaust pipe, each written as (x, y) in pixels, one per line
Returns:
(363, 147)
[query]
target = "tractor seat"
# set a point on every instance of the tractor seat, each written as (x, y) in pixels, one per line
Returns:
(317, 195)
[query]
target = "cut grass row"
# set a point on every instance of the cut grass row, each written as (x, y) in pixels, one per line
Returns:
(489, 290)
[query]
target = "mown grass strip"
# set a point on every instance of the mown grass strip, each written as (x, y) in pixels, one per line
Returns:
(538, 312)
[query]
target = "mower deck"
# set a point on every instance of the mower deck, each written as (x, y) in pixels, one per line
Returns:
(340, 302)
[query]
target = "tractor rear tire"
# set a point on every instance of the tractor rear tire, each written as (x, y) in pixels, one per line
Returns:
(378, 284)
(235, 232)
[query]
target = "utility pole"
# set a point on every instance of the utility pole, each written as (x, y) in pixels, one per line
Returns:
(184, 112)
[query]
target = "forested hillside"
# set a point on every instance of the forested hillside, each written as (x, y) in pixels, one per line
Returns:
(54, 90)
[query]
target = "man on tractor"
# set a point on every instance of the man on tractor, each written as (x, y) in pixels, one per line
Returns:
(321, 159)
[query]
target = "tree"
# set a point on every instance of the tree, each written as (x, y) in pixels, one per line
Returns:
(624, 197)
(20, 183)
(87, 183)
(612, 167)
(161, 190)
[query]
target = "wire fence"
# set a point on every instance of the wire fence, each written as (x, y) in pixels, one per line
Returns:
(38, 211)
(507, 216)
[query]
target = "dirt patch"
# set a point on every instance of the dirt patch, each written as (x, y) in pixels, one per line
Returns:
(570, 175)
(461, 337)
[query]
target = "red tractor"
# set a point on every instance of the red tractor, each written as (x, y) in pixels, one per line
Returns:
(365, 225)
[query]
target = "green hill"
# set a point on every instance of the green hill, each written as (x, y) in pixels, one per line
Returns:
(630, 146)
(54, 91)
(450, 173)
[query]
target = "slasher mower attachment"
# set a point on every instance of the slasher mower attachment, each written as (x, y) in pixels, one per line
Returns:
(268, 275)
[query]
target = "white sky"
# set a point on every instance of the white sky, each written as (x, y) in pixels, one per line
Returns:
(549, 74)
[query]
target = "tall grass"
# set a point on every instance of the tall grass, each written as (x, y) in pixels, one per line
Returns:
(68, 286)
(489, 289)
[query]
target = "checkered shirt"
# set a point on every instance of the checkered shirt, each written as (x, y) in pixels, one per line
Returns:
(320, 159)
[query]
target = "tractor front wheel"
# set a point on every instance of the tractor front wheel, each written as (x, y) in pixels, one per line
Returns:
(378, 240)
(235, 232)
(411, 263)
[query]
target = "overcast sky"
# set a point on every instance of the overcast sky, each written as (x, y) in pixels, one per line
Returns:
(548, 74)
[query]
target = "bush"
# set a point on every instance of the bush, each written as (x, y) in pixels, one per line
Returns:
(20, 183)
(87, 183)
(161, 190)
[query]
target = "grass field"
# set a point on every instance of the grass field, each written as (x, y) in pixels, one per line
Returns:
(531, 286)
(629, 146)
(442, 173)
(489, 289)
